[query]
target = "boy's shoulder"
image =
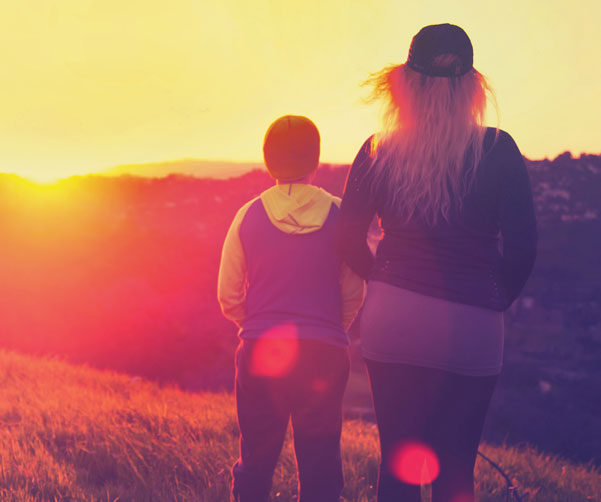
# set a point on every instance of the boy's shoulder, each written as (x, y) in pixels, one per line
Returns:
(335, 200)
(244, 208)
(241, 213)
(323, 193)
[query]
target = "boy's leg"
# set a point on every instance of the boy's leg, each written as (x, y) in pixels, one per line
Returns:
(263, 421)
(318, 385)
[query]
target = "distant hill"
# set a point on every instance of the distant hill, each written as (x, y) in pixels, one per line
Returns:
(76, 434)
(188, 167)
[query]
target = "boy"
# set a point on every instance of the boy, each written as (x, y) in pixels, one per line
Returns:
(282, 282)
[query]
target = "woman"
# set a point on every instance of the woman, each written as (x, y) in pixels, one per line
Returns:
(444, 187)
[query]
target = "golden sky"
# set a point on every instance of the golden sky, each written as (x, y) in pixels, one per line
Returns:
(88, 84)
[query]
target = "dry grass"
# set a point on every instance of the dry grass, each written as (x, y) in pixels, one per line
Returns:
(70, 433)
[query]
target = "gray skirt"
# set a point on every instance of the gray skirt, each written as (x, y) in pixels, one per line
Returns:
(401, 326)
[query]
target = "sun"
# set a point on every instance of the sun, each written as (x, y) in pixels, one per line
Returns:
(46, 175)
(44, 180)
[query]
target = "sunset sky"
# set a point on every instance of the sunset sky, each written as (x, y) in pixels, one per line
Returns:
(89, 84)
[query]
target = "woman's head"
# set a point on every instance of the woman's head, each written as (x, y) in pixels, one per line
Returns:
(433, 118)
(437, 40)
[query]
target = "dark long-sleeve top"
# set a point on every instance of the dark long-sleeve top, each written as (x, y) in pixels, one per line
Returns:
(481, 256)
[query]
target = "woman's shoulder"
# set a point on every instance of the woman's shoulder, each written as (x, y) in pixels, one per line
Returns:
(367, 147)
(498, 140)
(499, 149)
(364, 156)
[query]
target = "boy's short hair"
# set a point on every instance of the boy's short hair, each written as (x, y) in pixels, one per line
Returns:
(291, 148)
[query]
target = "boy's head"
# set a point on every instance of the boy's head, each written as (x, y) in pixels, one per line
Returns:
(291, 148)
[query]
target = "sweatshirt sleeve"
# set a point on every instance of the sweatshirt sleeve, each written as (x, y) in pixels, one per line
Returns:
(357, 211)
(517, 223)
(231, 284)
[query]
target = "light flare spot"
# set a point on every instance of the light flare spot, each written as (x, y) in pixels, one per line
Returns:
(414, 463)
(276, 352)
(319, 385)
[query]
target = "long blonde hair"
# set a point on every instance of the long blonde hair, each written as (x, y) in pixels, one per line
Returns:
(432, 128)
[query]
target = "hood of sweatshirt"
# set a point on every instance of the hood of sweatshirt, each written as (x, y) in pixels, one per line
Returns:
(297, 208)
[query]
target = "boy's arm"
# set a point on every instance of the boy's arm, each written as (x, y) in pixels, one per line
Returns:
(352, 294)
(231, 284)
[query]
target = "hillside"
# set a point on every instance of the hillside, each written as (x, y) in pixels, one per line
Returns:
(188, 167)
(121, 273)
(71, 433)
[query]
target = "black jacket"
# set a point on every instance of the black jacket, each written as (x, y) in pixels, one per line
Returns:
(482, 256)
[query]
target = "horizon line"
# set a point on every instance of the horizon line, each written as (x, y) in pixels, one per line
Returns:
(105, 172)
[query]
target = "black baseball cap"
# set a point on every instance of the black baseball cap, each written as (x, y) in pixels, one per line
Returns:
(434, 40)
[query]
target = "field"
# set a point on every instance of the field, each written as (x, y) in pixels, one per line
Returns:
(71, 433)
(120, 273)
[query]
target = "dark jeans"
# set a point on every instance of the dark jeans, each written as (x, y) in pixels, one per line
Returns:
(310, 394)
(443, 410)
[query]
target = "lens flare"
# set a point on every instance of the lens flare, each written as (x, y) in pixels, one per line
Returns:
(414, 463)
(276, 353)
(319, 385)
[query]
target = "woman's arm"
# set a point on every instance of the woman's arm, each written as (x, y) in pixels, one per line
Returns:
(356, 213)
(517, 222)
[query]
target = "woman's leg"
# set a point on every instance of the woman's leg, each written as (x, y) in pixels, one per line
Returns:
(419, 408)
(398, 404)
(463, 402)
